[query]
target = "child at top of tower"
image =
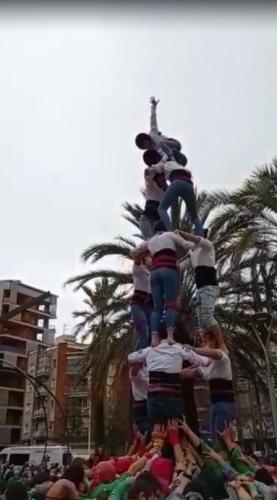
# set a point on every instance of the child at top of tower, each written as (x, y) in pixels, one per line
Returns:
(168, 147)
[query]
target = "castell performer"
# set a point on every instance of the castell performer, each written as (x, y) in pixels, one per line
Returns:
(218, 373)
(155, 186)
(168, 147)
(202, 260)
(164, 277)
(141, 301)
(181, 186)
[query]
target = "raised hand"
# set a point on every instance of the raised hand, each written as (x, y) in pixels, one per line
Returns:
(159, 432)
(154, 101)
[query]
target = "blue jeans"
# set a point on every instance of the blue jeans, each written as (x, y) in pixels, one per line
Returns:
(172, 147)
(184, 190)
(221, 414)
(164, 285)
(141, 315)
(161, 408)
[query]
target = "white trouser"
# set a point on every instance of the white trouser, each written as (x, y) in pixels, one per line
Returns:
(205, 305)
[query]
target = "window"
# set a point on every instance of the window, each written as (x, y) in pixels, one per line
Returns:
(7, 293)
(5, 308)
(3, 457)
(19, 458)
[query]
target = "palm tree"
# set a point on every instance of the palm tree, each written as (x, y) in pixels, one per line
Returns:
(105, 323)
(242, 226)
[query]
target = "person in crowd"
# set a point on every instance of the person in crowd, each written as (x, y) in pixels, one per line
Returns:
(145, 487)
(166, 146)
(16, 490)
(164, 364)
(155, 187)
(163, 248)
(202, 260)
(69, 486)
(139, 378)
(218, 373)
(181, 186)
(141, 301)
(40, 485)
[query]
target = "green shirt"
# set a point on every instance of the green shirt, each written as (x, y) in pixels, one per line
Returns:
(120, 490)
(117, 485)
(237, 462)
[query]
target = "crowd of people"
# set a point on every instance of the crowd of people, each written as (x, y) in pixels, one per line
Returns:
(171, 462)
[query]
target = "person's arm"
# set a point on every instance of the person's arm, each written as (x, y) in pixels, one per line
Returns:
(138, 356)
(228, 471)
(139, 250)
(180, 242)
(190, 373)
(194, 439)
(194, 358)
(173, 439)
(189, 236)
(153, 115)
(137, 466)
(208, 353)
(184, 263)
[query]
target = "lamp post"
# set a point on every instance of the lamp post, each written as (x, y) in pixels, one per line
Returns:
(268, 371)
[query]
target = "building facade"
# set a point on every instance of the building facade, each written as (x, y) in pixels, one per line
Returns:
(61, 415)
(25, 316)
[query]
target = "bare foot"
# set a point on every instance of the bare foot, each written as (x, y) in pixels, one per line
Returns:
(155, 340)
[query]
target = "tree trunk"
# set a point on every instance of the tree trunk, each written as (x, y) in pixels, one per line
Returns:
(98, 426)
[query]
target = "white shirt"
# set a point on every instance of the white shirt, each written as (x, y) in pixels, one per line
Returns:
(139, 384)
(152, 190)
(168, 239)
(218, 368)
(168, 167)
(167, 358)
(203, 254)
(141, 278)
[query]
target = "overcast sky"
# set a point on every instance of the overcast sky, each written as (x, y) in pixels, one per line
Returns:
(74, 89)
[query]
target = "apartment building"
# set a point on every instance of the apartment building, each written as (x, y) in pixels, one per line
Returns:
(49, 415)
(26, 314)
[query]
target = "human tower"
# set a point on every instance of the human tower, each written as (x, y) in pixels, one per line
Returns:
(156, 367)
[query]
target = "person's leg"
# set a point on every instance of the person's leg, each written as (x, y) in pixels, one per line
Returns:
(173, 407)
(172, 193)
(155, 410)
(186, 191)
(141, 326)
(158, 303)
(148, 309)
(180, 157)
(146, 227)
(222, 414)
(170, 285)
(208, 296)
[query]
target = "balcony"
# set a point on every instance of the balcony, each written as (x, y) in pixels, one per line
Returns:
(39, 413)
(43, 371)
(73, 369)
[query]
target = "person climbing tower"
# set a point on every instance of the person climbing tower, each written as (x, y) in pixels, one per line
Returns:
(164, 277)
(141, 301)
(202, 260)
(168, 147)
(181, 186)
(155, 187)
